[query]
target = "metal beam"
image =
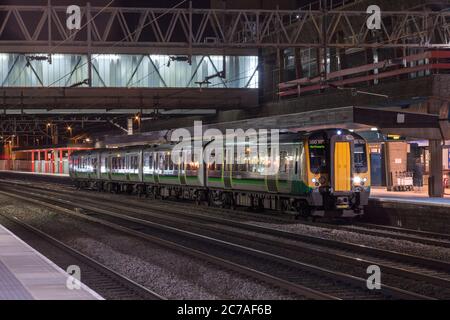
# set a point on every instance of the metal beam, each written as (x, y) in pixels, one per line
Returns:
(126, 98)
(218, 29)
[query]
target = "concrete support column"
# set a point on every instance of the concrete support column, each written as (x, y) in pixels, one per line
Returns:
(395, 161)
(435, 183)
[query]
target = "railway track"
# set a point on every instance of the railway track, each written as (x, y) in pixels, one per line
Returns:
(439, 239)
(306, 248)
(416, 236)
(103, 280)
(332, 283)
(294, 289)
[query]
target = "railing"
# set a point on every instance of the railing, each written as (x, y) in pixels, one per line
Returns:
(38, 166)
(432, 61)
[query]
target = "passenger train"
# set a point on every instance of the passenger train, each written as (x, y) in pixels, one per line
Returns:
(320, 173)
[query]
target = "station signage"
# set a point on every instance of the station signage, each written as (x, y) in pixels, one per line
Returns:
(394, 137)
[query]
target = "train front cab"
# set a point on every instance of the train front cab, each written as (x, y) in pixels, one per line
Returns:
(339, 174)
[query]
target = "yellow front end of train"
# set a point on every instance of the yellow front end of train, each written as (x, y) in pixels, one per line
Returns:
(338, 173)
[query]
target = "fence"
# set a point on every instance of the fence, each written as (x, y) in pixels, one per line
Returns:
(41, 166)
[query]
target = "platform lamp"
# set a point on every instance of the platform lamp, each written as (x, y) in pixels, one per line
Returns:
(69, 128)
(138, 118)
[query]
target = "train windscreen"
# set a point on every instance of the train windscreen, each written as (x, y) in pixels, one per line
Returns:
(360, 156)
(318, 155)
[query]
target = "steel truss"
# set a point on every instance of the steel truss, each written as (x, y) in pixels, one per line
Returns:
(201, 29)
(32, 126)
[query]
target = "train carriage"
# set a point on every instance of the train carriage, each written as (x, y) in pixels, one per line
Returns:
(320, 173)
(84, 165)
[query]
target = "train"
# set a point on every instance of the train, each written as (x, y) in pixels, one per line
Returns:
(321, 173)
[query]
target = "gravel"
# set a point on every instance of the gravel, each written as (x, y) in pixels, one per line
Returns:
(403, 246)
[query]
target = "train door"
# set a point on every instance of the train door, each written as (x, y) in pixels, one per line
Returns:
(342, 166)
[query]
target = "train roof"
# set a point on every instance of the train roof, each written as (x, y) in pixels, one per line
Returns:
(284, 137)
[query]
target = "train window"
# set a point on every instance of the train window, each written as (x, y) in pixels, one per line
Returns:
(215, 166)
(360, 158)
(253, 164)
(150, 161)
(94, 165)
(284, 162)
(175, 165)
(155, 161)
(105, 164)
(189, 161)
(135, 162)
(318, 157)
(242, 161)
(161, 162)
(167, 162)
(130, 164)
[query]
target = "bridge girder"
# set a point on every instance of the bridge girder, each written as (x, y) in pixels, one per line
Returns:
(149, 30)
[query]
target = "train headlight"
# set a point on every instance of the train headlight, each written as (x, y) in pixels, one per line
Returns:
(357, 180)
(316, 182)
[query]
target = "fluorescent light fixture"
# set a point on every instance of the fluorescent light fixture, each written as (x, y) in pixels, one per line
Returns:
(108, 57)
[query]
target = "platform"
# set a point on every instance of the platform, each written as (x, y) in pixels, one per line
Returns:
(25, 274)
(37, 173)
(410, 197)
